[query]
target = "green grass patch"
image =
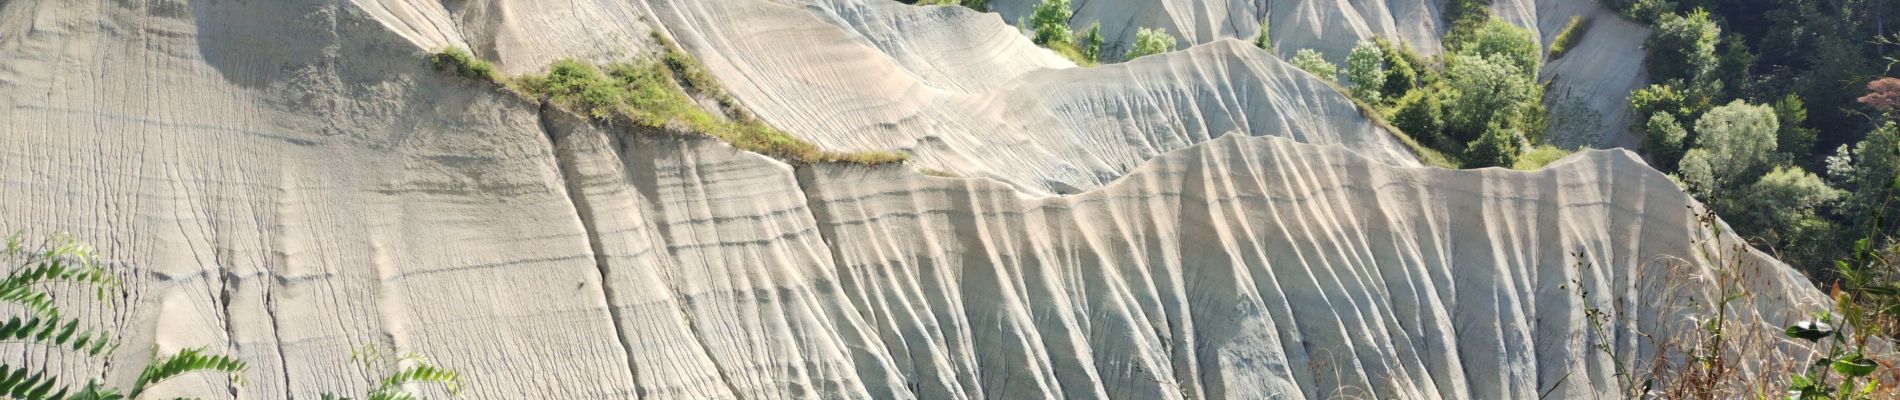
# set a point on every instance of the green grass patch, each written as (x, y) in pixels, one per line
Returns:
(1568, 38)
(459, 61)
(1539, 157)
(653, 92)
(1069, 51)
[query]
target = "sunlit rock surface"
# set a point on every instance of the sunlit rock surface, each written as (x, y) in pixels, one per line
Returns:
(287, 181)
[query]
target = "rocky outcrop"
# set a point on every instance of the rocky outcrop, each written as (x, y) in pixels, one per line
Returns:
(287, 180)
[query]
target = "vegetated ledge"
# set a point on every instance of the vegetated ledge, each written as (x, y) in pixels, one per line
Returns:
(654, 93)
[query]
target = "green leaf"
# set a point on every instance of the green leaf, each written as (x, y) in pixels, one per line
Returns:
(1810, 330)
(1854, 365)
(51, 333)
(185, 362)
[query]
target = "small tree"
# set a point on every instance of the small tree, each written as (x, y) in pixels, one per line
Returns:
(1793, 138)
(1499, 38)
(1883, 95)
(1310, 61)
(1050, 22)
(1683, 48)
(1264, 39)
(1365, 67)
(1092, 43)
(1150, 42)
(1484, 91)
(1733, 142)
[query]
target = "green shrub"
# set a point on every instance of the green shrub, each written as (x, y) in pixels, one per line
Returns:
(1419, 113)
(1664, 138)
(1310, 61)
(1683, 48)
(1264, 39)
(1365, 68)
(1404, 68)
(458, 61)
(1483, 92)
(1091, 44)
(1150, 42)
(1497, 147)
(1572, 34)
(1661, 99)
(1496, 38)
(1733, 144)
(1050, 22)
(1465, 16)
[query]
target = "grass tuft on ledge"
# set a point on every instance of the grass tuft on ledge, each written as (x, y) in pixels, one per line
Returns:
(459, 62)
(653, 93)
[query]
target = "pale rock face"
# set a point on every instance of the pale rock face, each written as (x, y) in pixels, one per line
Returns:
(1588, 90)
(286, 181)
(984, 101)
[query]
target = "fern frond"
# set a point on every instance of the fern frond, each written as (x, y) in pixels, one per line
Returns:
(94, 391)
(185, 362)
(19, 384)
(50, 332)
(423, 372)
(19, 286)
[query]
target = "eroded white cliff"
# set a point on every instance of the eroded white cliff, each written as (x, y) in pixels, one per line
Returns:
(287, 181)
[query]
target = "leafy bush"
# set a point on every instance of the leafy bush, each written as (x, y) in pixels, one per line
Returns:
(1733, 143)
(458, 61)
(1404, 69)
(1091, 44)
(1572, 34)
(1664, 138)
(1683, 48)
(1050, 22)
(1264, 39)
(1419, 114)
(1782, 199)
(1484, 92)
(1465, 17)
(1365, 68)
(1311, 61)
(1662, 99)
(1150, 42)
(1499, 146)
(1501, 39)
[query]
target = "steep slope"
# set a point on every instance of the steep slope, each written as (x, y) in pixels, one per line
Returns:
(287, 181)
